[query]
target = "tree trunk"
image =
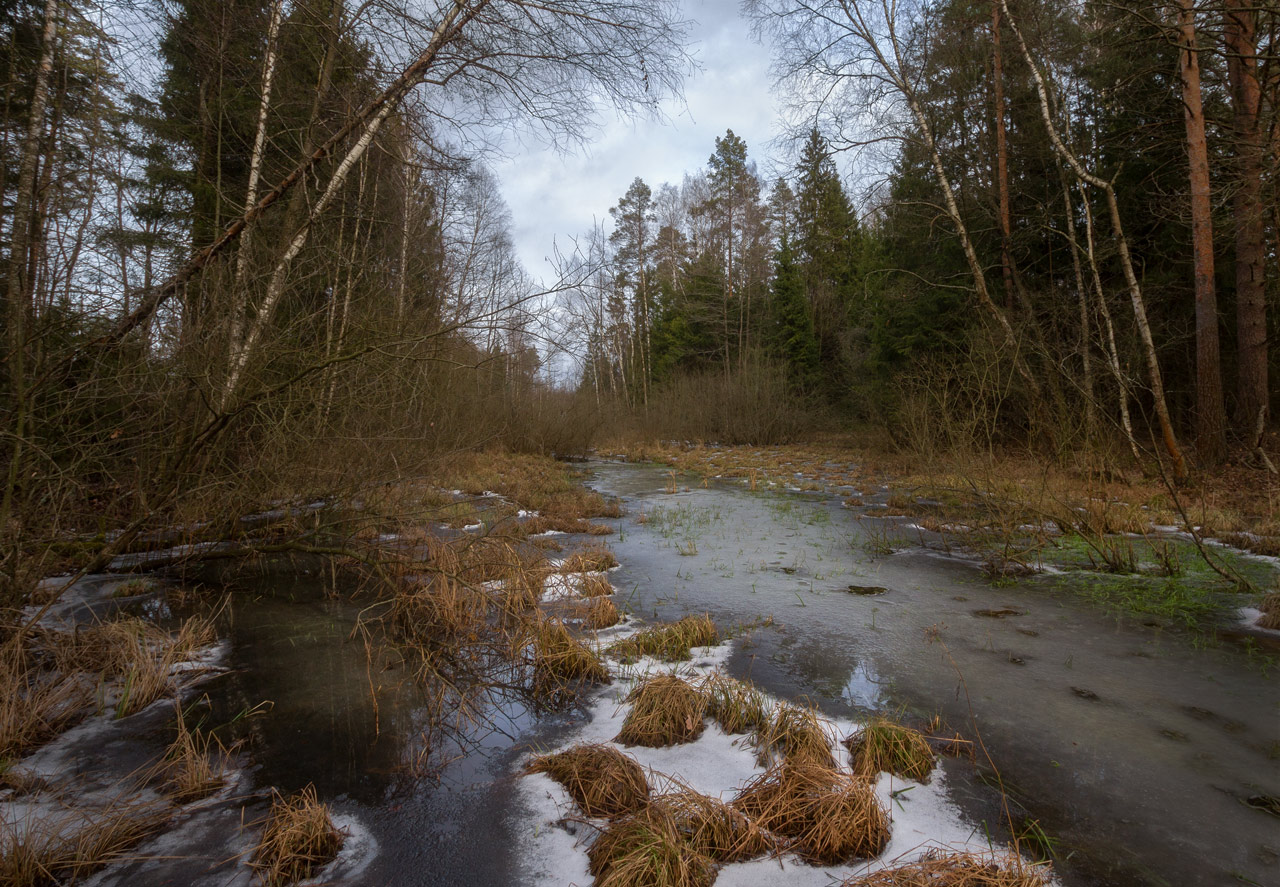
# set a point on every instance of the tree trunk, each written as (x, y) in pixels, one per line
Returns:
(1082, 298)
(1170, 439)
(1002, 157)
(1252, 388)
(1211, 420)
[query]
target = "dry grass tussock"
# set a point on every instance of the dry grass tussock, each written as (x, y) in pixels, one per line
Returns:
(298, 838)
(797, 734)
(594, 585)
(714, 828)
(829, 817)
(1270, 608)
(647, 849)
(937, 869)
(882, 746)
(440, 611)
(601, 613)
(665, 710)
(670, 642)
(193, 767)
(36, 703)
(560, 660)
(603, 782)
(736, 706)
(66, 847)
(137, 657)
(592, 559)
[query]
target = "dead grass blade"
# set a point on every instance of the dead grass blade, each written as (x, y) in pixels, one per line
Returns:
(665, 710)
(670, 642)
(67, 847)
(602, 781)
(298, 838)
(1270, 608)
(830, 817)
(36, 705)
(938, 869)
(882, 746)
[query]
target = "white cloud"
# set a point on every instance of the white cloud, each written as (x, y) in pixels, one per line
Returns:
(555, 197)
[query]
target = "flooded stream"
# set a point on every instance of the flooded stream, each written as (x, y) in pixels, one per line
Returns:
(1134, 749)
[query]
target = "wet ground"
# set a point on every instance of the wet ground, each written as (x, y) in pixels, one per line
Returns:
(1137, 748)
(1140, 751)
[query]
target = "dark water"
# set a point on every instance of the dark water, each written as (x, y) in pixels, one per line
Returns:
(1136, 749)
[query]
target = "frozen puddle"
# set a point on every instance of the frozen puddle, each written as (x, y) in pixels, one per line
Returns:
(555, 834)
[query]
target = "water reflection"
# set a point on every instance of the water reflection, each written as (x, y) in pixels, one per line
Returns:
(863, 689)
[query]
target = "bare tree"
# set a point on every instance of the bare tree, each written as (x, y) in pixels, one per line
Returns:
(1156, 380)
(851, 61)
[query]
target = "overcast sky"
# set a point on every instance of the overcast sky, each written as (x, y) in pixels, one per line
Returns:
(554, 197)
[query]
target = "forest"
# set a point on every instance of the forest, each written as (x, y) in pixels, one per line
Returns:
(999, 290)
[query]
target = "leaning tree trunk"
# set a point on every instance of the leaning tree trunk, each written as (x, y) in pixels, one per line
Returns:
(1156, 380)
(1211, 418)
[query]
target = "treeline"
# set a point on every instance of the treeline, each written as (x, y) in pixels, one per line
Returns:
(1069, 239)
(727, 296)
(276, 270)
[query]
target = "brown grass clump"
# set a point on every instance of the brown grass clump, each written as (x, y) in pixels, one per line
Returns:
(35, 705)
(602, 781)
(670, 642)
(194, 765)
(594, 585)
(736, 706)
(298, 838)
(601, 613)
(830, 817)
(560, 660)
(937, 869)
(713, 827)
(882, 746)
(795, 733)
(594, 559)
(647, 849)
(665, 710)
(140, 655)
(67, 847)
(1270, 608)
(440, 611)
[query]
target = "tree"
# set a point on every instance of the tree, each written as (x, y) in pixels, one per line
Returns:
(632, 241)
(1211, 420)
(791, 337)
(827, 245)
(1240, 37)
